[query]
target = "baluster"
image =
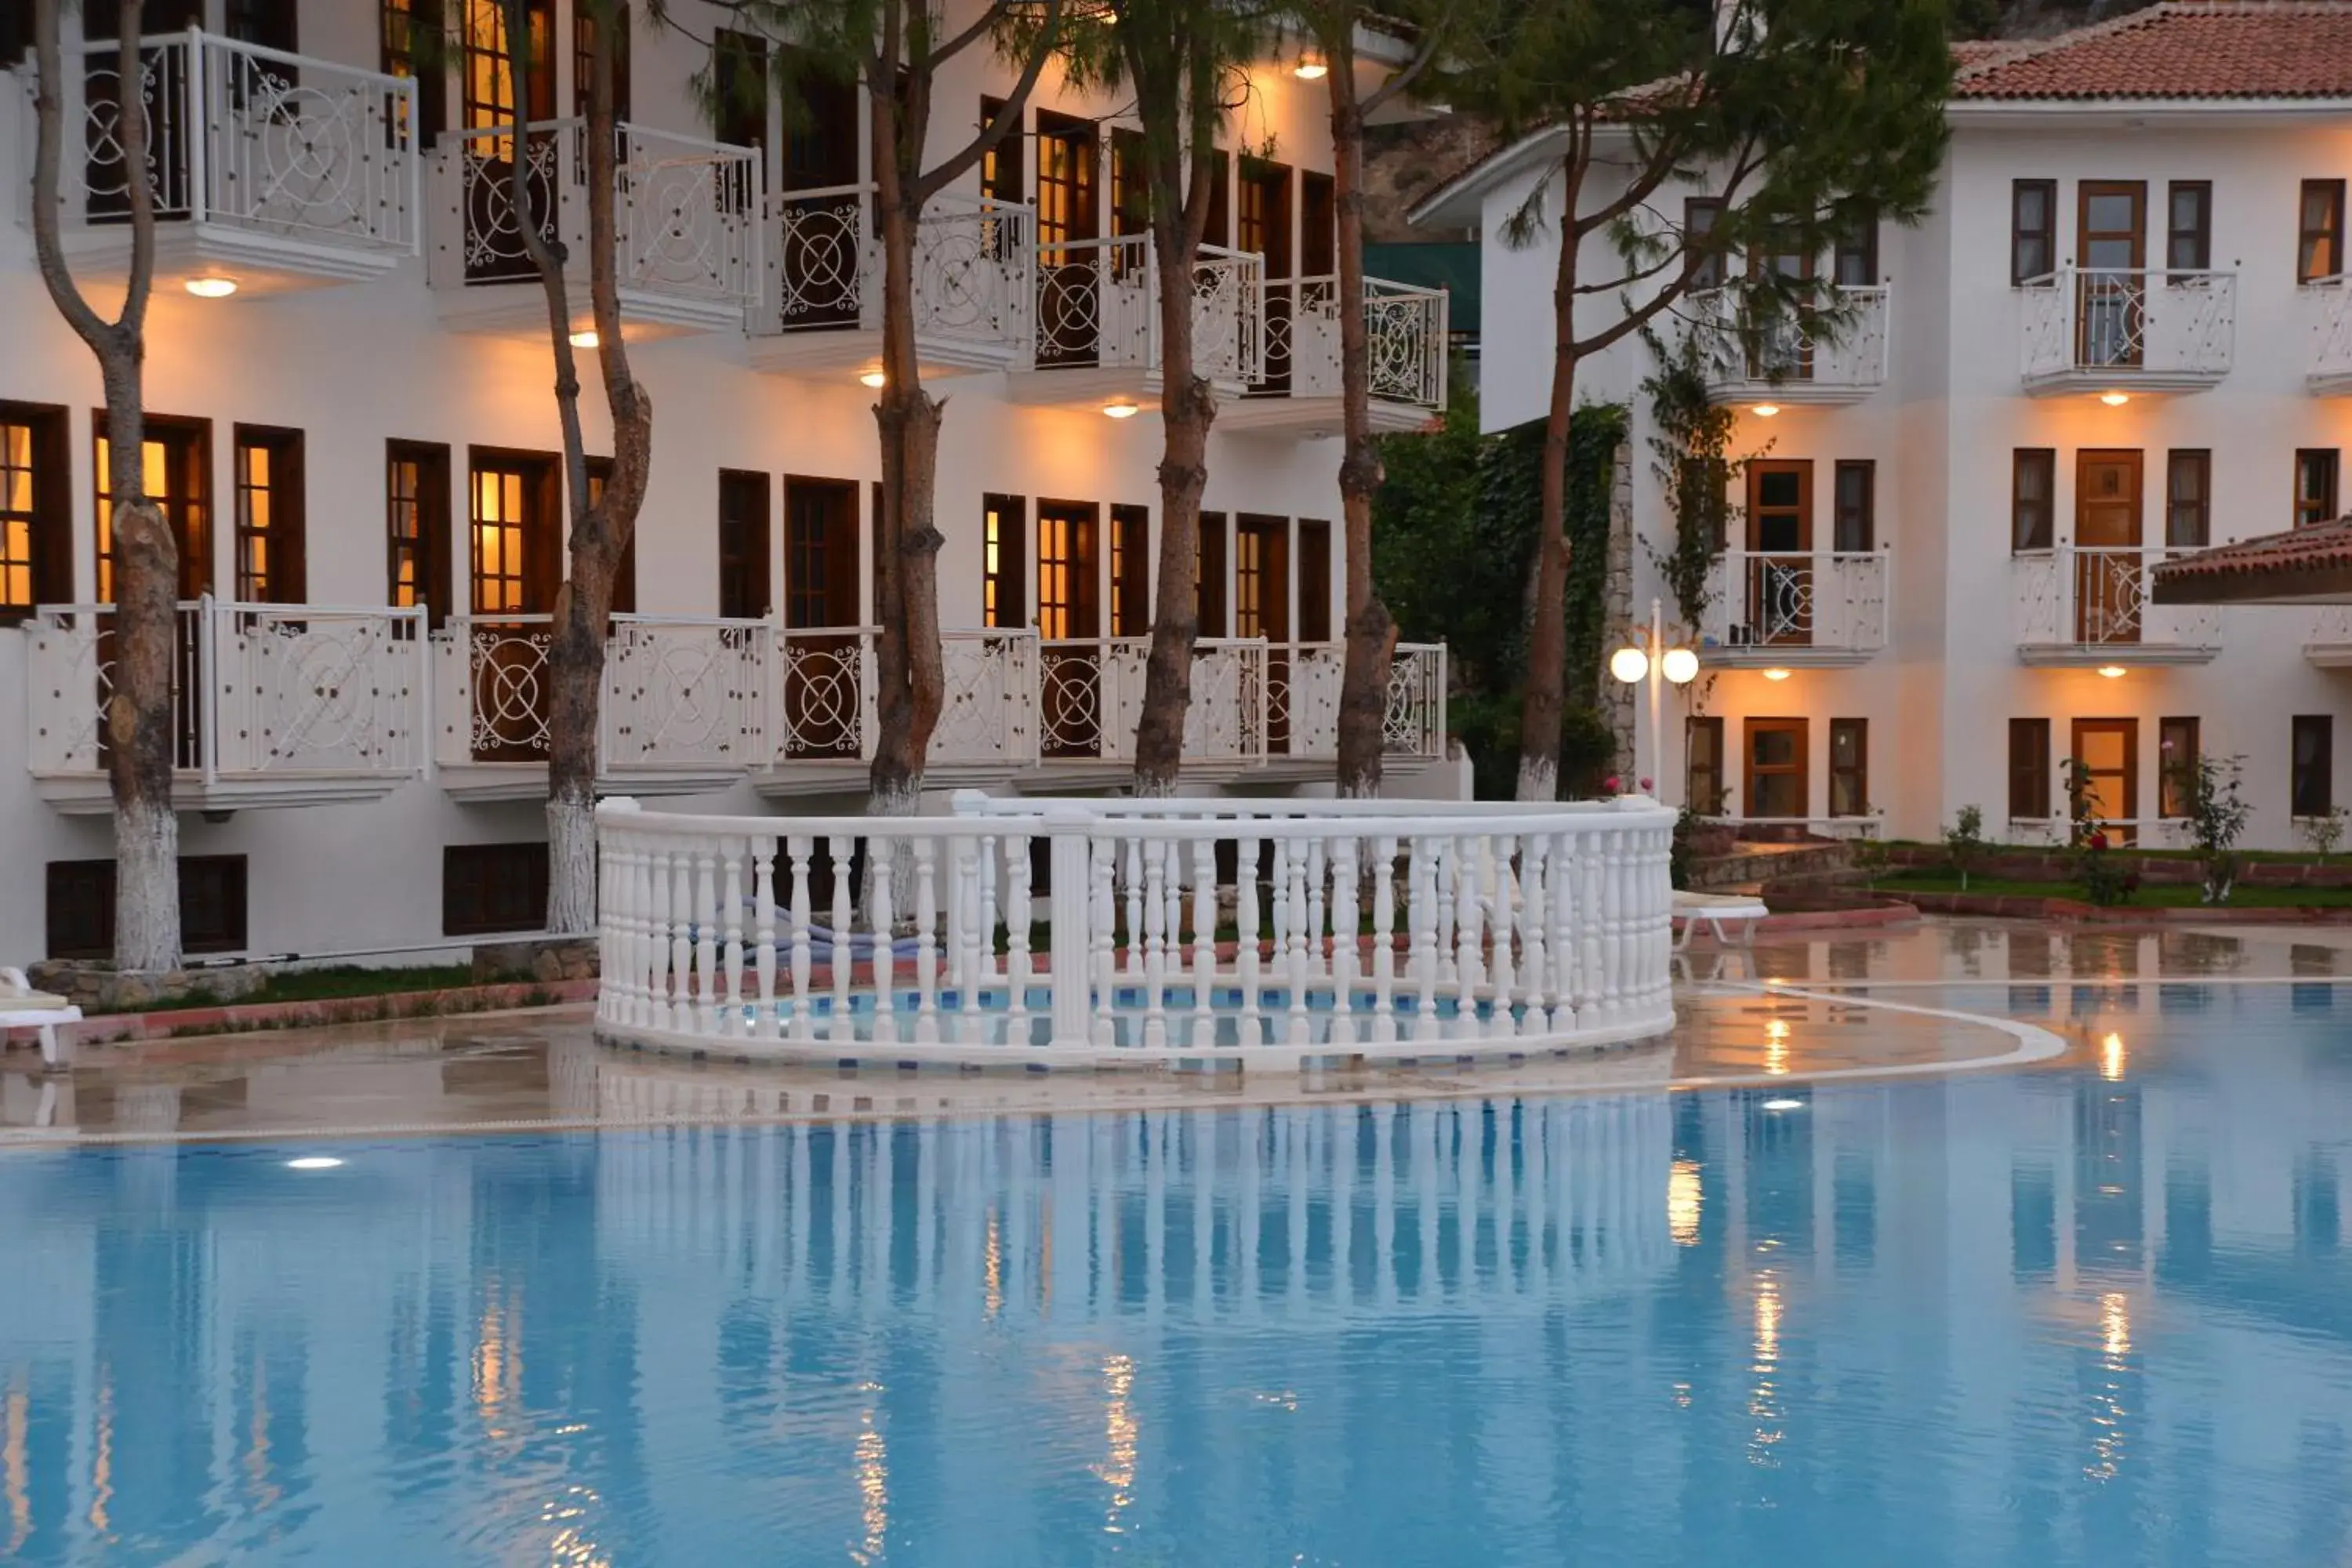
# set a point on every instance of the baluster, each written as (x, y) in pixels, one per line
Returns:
(764, 936)
(1135, 909)
(1424, 910)
(1613, 965)
(1567, 958)
(970, 970)
(1298, 934)
(732, 896)
(1589, 933)
(1313, 868)
(801, 847)
(1155, 944)
(1448, 871)
(1017, 903)
(1346, 948)
(926, 947)
(881, 859)
(1468, 873)
(645, 958)
(1535, 967)
(1205, 941)
(842, 963)
(1101, 864)
(1279, 955)
(1384, 938)
(1501, 915)
(681, 940)
(1171, 911)
(1245, 938)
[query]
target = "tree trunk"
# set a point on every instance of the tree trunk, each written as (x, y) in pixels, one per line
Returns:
(145, 627)
(1542, 709)
(1372, 632)
(1188, 408)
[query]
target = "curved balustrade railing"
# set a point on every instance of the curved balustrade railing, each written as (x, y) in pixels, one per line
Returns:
(1355, 933)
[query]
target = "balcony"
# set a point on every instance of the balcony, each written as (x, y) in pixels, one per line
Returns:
(686, 229)
(820, 310)
(1822, 609)
(2087, 608)
(1405, 329)
(2328, 639)
(273, 705)
(2329, 373)
(1303, 683)
(1095, 337)
(1834, 355)
(272, 171)
(2114, 331)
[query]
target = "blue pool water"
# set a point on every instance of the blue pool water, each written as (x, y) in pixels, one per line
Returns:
(2098, 1314)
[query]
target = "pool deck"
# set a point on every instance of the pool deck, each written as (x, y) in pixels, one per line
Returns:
(1808, 1007)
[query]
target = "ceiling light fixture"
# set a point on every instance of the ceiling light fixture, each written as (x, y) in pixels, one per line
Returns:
(211, 288)
(874, 379)
(2114, 399)
(1123, 409)
(1775, 673)
(1767, 410)
(1311, 70)
(585, 340)
(2112, 671)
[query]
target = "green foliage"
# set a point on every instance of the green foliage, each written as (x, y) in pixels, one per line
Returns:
(2323, 834)
(2214, 815)
(1690, 450)
(1964, 841)
(1454, 532)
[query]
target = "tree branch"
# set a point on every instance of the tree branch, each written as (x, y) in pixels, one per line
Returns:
(1006, 119)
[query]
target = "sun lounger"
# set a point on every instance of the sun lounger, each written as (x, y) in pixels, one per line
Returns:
(1730, 917)
(22, 1007)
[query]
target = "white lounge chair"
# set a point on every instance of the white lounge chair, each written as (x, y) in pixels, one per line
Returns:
(1730, 917)
(22, 1007)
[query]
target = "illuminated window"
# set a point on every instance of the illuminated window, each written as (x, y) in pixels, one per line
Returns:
(1130, 572)
(269, 516)
(1003, 559)
(177, 477)
(417, 533)
(500, 529)
(1068, 596)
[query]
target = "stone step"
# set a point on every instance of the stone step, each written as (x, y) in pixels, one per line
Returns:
(1759, 863)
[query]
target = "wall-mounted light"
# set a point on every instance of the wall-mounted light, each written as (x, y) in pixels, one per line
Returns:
(2112, 671)
(211, 288)
(1310, 69)
(1766, 410)
(874, 378)
(1121, 409)
(586, 339)
(1775, 673)
(2114, 399)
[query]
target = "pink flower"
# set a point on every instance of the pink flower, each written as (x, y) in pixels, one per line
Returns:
(1645, 786)
(1613, 783)
(2098, 841)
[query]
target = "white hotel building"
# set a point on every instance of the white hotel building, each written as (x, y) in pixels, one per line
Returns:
(359, 449)
(2122, 332)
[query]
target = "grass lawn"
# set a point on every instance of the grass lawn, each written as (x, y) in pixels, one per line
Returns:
(2169, 895)
(351, 980)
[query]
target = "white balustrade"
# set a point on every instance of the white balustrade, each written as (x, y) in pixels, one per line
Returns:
(1362, 932)
(2090, 597)
(1090, 698)
(249, 138)
(683, 694)
(1835, 350)
(1405, 337)
(258, 690)
(991, 711)
(2129, 327)
(975, 267)
(685, 211)
(816, 686)
(1098, 307)
(1302, 682)
(1823, 599)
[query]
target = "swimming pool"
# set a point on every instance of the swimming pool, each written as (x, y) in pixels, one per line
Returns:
(2095, 1313)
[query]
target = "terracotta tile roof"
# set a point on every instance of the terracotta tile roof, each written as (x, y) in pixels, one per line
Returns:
(2301, 562)
(2178, 49)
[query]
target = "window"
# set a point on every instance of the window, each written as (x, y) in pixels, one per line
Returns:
(1776, 784)
(487, 888)
(1066, 179)
(1209, 576)
(624, 571)
(1130, 572)
(1700, 216)
(1219, 227)
(35, 552)
(1004, 561)
(1703, 765)
(2029, 769)
(2034, 472)
(487, 68)
(1854, 263)
(2033, 231)
(269, 521)
(1001, 174)
(1856, 525)
(584, 23)
(1319, 226)
(508, 525)
(1314, 580)
(269, 23)
(743, 546)
(2188, 226)
(820, 566)
(2315, 486)
(1068, 591)
(79, 914)
(1130, 185)
(2319, 231)
(739, 65)
(1848, 767)
(176, 473)
(408, 48)
(416, 526)
(2177, 754)
(2187, 498)
(2314, 764)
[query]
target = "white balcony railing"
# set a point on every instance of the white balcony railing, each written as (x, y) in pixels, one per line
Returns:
(1097, 309)
(248, 138)
(258, 690)
(686, 213)
(975, 268)
(1804, 606)
(1405, 329)
(2329, 368)
(1836, 354)
(1091, 697)
(2128, 328)
(2093, 604)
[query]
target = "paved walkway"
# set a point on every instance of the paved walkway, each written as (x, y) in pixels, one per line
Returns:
(1834, 1007)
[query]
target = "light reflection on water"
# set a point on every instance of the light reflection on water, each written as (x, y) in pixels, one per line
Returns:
(2098, 1314)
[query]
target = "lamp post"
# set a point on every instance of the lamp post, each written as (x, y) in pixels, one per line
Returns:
(1646, 657)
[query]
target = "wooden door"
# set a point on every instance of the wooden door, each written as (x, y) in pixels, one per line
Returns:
(2109, 587)
(1777, 783)
(1262, 608)
(825, 700)
(1069, 285)
(175, 470)
(2107, 759)
(825, 236)
(1779, 586)
(514, 527)
(495, 251)
(1782, 349)
(1070, 629)
(2111, 224)
(1266, 215)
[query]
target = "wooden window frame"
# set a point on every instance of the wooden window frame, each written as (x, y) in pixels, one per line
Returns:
(2019, 234)
(400, 23)
(1855, 776)
(1005, 562)
(1801, 770)
(2311, 791)
(425, 553)
(1709, 263)
(187, 441)
(1003, 171)
(1856, 522)
(2197, 238)
(539, 494)
(1069, 199)
(2179, 742)
(1859, 245)
(2317, 504)
(584, 60)
(2188, 519)
(43, 525)
(1211, 597)
(815, 572)
(2030, 771)
(1313, 579)
(1319, 225)
(2319, 248)
(1069, 580)
(747, 544)
(490, 889)
(1709, 799)
(1131, 571)
(2044, 461)
(280, 576)
(215, 905)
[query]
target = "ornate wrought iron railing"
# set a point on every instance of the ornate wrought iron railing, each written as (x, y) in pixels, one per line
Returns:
(2077, 595)
(1098, 307)
(1841, 342)
(974, 267)
(1406, 332)
(2124, 323)
(1797, 598)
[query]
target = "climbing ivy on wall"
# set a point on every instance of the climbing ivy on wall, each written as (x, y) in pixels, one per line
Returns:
(1690, 447)
(1453, 531)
